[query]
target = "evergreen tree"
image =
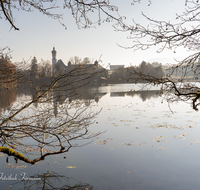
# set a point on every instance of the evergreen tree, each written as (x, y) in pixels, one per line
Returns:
(34, 65)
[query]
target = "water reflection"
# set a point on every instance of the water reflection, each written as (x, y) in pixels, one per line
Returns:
(48, 180)
(145, 145)
(81, 94)
(39, 129)
(87, 95)
(7, 98)
(28, 130)
(144, 95)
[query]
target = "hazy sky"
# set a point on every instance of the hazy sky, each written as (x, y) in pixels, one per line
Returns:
(38, 34)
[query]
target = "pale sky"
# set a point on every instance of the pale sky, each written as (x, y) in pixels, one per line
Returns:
(38, 34)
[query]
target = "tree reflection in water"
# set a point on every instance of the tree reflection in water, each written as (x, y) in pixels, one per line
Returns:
(51, 121)
(55, 129)
(51, 180)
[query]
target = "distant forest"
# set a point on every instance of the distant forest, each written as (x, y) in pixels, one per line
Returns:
(41, 73)
(127, 74)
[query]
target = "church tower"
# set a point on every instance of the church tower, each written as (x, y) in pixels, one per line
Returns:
(54, 61)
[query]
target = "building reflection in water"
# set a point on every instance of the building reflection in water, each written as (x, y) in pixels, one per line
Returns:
(59, 97)
(8, 97)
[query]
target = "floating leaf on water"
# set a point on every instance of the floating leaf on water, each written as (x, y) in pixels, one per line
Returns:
(71, 167)
(190, 121)
(189, 112)
(181, 136)
(159, 139)
(129, 144)
(195, 141)
(23, 166)
(127, 120)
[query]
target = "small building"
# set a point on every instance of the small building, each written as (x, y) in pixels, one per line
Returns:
(59, 67)
(115, 67)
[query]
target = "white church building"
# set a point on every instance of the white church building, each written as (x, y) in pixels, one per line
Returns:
(59, 66)
(56, 64)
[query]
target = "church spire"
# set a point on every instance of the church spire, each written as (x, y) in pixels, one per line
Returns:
(53, 53)
(54, 61)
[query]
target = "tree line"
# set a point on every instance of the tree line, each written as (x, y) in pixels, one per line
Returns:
(123, 74)
(43, 70)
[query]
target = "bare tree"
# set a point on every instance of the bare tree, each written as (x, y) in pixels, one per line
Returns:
(79, 9)
(86, 60)
(57, 121)
(45, 68)
(184, 33)
(7, 73)
(11, 74)
(75, 60)
(55, 124)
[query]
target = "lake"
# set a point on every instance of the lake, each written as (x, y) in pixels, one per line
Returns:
(143, 145)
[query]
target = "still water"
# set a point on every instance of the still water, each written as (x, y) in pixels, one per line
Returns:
(143, 146)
